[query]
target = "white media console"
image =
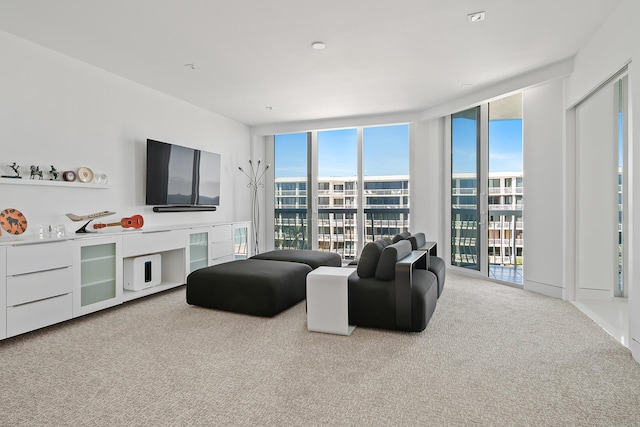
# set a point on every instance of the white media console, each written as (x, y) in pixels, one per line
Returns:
(46, 281)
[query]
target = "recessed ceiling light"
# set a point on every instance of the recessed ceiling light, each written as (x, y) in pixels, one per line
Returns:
(318, 45)
(475, 17)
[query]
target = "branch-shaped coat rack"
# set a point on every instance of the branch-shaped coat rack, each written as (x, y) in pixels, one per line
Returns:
(255, 174)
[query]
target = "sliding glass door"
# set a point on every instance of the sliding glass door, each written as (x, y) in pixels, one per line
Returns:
(291, 216)
(487, 192)
(465, 190)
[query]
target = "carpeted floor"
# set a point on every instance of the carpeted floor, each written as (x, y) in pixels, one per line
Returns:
(491, 355)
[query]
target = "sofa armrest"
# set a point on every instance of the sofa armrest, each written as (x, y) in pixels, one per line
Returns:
(403, 285)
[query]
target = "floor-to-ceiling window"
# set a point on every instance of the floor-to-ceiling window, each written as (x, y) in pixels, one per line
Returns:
(337, 171)
(360, 189)
(291, 225)
(386, 180)
(465, 181)
(505, 220)
(487, 192)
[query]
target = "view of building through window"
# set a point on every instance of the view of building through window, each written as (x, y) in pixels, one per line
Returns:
(504, 179)
(349, 212)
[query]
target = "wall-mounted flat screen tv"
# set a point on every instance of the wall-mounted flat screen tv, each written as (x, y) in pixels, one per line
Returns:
(181, 177)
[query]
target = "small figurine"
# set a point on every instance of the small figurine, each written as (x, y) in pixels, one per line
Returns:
(15, 168)
(35, 171)
(54, 174)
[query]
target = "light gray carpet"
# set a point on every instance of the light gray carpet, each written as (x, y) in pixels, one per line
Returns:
(491, 355)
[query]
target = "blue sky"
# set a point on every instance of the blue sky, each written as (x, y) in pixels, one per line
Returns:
(505, 145)
(386, 152)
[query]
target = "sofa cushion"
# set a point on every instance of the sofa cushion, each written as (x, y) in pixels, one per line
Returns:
(402, 236)
(313, 259)
(417, 240)
(369, 259)
(386, 269)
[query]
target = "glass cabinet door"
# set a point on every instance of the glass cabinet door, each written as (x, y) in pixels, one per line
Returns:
(100, 275)
(198, 250)
(241, 241)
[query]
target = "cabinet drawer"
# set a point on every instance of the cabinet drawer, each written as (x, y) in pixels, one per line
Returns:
(220, 249)
(221, 233)
(35, 315)
(38, 257)
(37, 286)
(152, 242)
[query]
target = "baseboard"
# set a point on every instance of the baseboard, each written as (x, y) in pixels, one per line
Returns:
(544, 289)
(594, 294)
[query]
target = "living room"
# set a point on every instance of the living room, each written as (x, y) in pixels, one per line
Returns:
(72, 113)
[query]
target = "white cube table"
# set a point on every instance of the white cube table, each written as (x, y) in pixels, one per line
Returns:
(328, 300)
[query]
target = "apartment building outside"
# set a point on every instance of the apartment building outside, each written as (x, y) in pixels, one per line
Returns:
(387, 212)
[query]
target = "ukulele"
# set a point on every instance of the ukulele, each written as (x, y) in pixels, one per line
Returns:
(135, 221)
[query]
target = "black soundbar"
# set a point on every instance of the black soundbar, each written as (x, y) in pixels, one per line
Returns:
(187, 208)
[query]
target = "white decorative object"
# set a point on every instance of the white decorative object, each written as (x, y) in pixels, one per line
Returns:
(255, 175)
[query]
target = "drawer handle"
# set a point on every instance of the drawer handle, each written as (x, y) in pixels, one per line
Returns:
(40, 271)
(41, 299)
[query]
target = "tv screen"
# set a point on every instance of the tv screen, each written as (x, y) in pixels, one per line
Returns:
(181, 176)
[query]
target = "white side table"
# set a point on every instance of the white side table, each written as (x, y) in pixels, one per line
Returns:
(328, 300)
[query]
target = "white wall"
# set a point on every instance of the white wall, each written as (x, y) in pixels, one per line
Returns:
(609, 49)
(55, 110)
(427, 180)
(543, 197)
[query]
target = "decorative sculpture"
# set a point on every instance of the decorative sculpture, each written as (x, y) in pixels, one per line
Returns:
(35, 171)
(15, 168)
(54, 174)
(255, 181)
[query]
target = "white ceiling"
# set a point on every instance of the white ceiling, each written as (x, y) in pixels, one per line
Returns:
(382, 56)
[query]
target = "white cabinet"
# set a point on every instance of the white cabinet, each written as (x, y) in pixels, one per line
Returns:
(221, 243)
(46, 281)
(3, 293)
(38, 286)
(98, 274)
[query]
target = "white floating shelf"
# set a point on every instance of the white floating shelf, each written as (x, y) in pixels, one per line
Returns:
(46, 182)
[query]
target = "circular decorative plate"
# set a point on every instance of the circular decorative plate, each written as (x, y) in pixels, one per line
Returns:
(12, 221)
(69, 175)
(85, 174)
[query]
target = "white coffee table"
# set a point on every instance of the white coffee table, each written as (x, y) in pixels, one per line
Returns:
(328, 300)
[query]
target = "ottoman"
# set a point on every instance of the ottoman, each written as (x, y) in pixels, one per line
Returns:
(313, 259)
(252, 286)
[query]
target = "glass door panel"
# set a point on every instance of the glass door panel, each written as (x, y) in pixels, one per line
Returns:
(241, 241)
(337, 190)
(198, 250)
(98, 273)
(386, 181)
(291, 216)
(465, 207)
(505, 227)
